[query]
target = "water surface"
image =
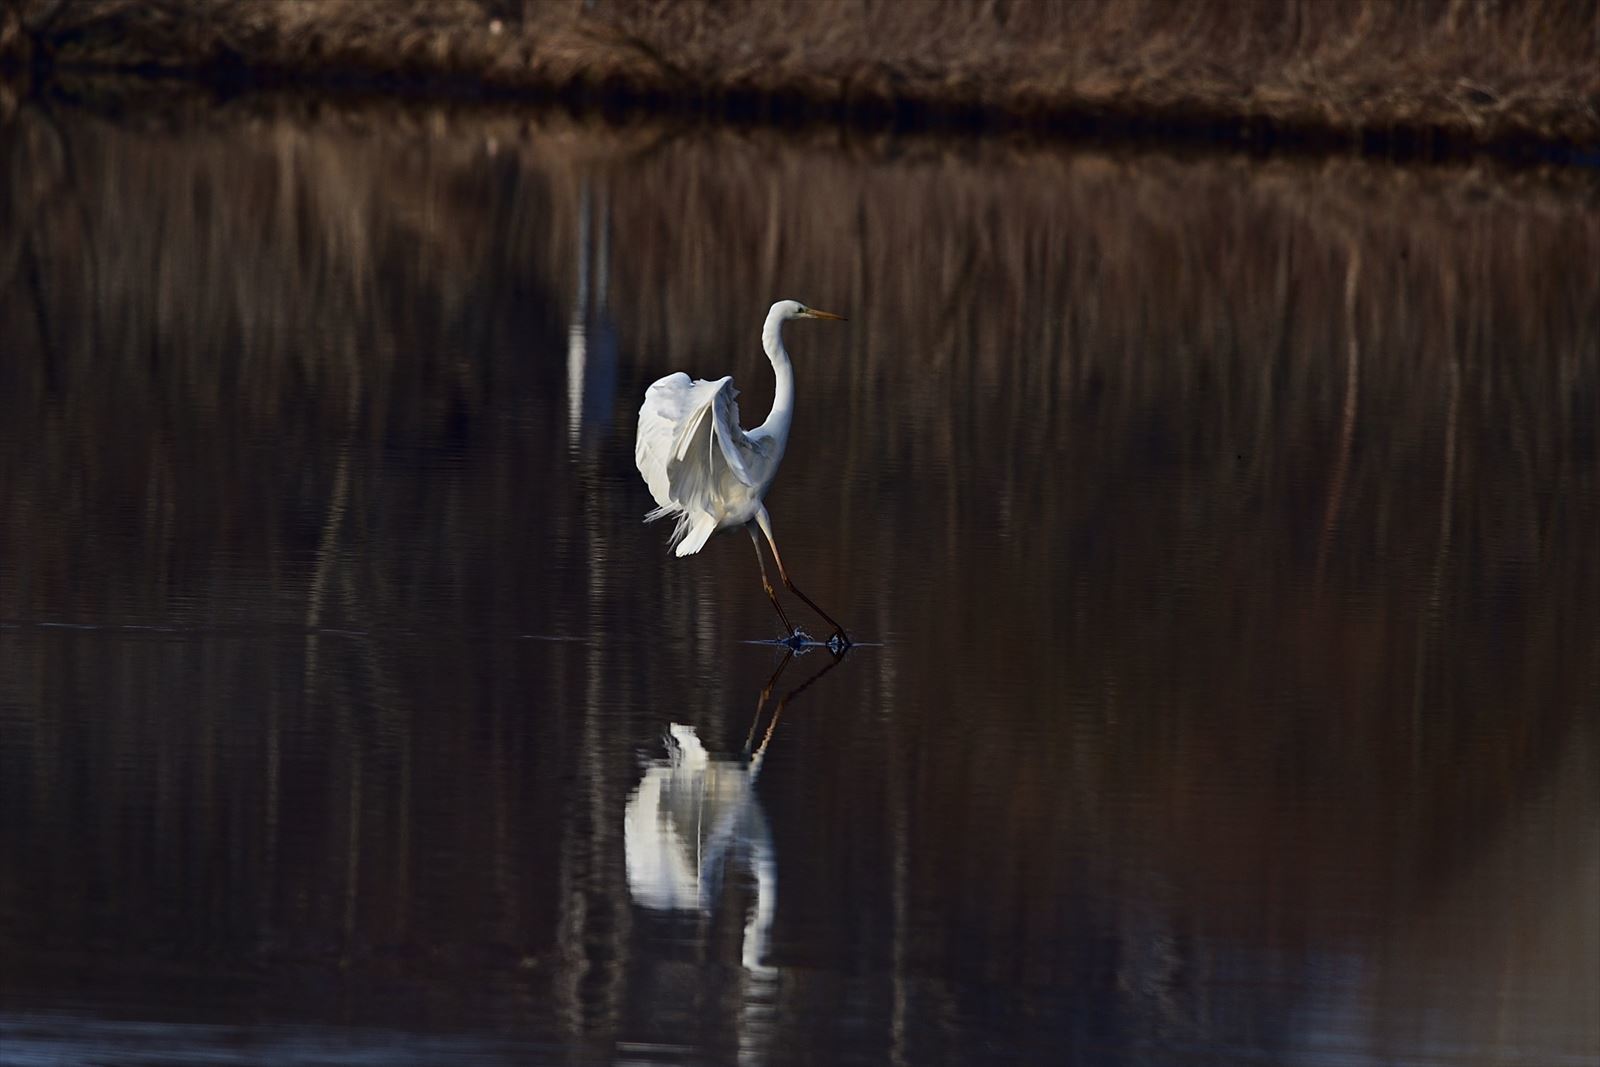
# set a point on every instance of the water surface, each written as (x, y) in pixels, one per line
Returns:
(1220, 534)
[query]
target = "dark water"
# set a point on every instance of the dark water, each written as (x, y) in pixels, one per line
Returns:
(1222, 538)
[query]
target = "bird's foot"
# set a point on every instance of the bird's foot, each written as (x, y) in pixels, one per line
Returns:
(839, 642)
(798, 641)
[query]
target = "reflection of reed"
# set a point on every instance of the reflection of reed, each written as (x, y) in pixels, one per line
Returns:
(1347, 421)
(1075, 298)
(1101, 401)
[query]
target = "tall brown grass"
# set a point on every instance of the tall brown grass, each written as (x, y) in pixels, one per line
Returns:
(1431, 73)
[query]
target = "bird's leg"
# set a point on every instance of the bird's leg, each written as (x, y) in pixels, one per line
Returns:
(788, 583)
(772, 595)
(838, 631)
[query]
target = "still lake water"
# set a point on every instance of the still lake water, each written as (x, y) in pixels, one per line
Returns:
(1221, 536)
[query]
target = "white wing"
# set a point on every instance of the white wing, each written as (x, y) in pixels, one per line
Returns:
(693, 455)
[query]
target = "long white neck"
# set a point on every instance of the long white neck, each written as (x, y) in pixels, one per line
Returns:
(777, 424)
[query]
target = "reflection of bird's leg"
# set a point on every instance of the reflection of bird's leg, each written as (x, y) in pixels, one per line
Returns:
(788, 583)
(772, 595)
(766, 695)
(777, 712)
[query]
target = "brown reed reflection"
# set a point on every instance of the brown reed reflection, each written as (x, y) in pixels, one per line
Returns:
(1229, 527)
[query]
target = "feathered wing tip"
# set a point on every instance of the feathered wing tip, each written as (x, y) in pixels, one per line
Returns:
(670, 511)
(689, 533)
(700, 531)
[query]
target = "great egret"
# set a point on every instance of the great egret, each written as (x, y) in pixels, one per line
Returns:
(708, 473)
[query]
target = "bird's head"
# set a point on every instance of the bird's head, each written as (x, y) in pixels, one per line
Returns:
(793, 309)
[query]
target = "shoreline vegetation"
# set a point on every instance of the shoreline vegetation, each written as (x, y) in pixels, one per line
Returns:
(1437, 79)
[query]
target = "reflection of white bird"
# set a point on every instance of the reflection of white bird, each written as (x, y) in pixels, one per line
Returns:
(693, 813)
(689, 816)
(708, 473)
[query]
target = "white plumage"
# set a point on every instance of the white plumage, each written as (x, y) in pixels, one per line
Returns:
(701, 467)
(704, 470)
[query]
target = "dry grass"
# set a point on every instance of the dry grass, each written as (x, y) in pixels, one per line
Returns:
(1433, 74)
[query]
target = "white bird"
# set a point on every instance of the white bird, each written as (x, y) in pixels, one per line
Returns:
(708, 473)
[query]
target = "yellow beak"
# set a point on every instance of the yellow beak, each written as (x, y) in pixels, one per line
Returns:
(813, 313)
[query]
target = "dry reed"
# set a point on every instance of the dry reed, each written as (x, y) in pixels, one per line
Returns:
(1428, 75)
